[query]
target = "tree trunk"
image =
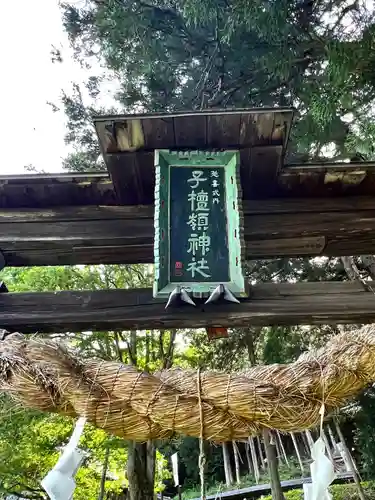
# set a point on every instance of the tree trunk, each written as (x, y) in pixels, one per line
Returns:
(227, 466)
(141, 456)
(236, 462)
(357, 479)
(271, 457)
(168, 356)
(141, 470)
(277, 492)
(147, 349)
(104, 475)
(250, 347)
(292, 435)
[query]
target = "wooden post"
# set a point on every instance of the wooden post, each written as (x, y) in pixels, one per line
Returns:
(236, 462)
(278, 450)
(310, 440)
(263, 463)
(282, 448)
(277, 492)
(292, 435)
(249, 463)
(328, 448)
(306, 444)
(333, 440)
(227, 466)
(255, 460)
(356, 477)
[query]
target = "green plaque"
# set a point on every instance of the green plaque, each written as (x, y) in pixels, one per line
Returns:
(198, 230)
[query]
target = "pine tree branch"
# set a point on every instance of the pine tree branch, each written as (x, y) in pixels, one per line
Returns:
(369, 263)
(354, 273)
(349, 8)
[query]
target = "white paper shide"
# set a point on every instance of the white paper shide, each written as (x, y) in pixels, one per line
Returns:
(322, 474)
(59, 482)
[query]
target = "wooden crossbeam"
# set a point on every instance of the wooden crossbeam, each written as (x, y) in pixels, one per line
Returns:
(269, 304)
(125, 234)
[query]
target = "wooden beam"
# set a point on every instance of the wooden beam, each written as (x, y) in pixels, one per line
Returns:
(269, 304)
(62, 189)
(46, 190)
(124, 234)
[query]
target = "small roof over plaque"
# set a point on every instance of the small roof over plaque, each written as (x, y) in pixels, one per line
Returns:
(128, 143)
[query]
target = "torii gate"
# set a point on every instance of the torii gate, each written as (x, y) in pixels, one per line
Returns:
(105, 218)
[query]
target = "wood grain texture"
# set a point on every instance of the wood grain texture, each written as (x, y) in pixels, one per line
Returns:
(190, 128)
(269, 304)
(190, 133)
(134, 176)
(223, 130)
(157, 132)
(260, 168)
(125, 234)
(37, 191)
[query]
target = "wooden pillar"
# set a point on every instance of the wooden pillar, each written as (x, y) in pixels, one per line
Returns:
(282, 448)
(310, 440)
(333, 440)
(306, 444)
(259, 443)
(273, 438)
(295, 444)
(255, 460)
(236, 462)
(357, 479)
(248, 458)
(227, 466)
(328, 448)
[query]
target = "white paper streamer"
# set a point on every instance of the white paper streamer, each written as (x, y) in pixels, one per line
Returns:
(59, 482)
(322, 474)
(174, 459)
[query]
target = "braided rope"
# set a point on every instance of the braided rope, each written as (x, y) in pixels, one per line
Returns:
(140, 406)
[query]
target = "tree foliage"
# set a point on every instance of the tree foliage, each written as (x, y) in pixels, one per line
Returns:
(173, 55)
(365, 425)
(40, 437)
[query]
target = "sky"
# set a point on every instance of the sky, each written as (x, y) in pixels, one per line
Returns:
(30, 132)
